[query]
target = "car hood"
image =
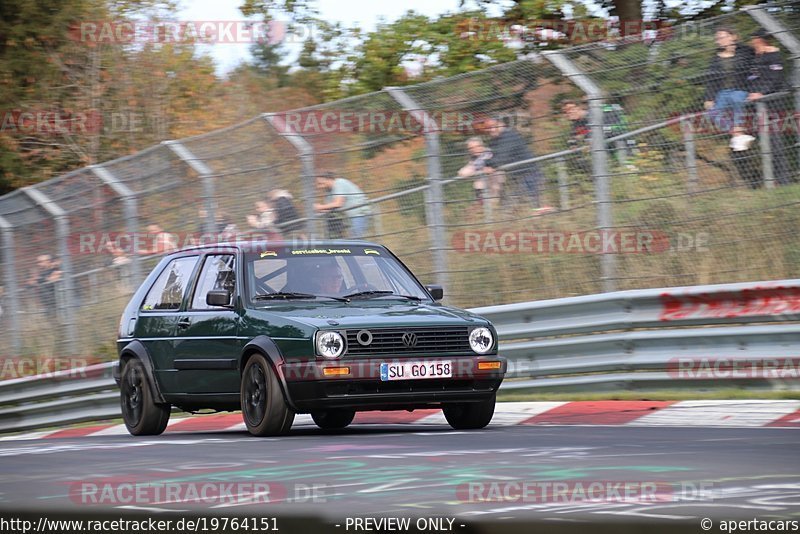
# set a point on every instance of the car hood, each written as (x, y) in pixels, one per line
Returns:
(376, 314)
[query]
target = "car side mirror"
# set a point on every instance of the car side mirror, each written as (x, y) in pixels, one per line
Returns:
(218, 297)
(436, 291)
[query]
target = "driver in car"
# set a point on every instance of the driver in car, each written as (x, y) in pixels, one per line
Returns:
(329, 278)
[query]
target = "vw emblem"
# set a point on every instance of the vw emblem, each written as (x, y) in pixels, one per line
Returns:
(410, 339)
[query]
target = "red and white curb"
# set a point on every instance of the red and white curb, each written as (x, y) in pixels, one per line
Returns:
(723, 413)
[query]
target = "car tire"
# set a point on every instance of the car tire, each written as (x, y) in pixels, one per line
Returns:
(264, 410)
(142, 415)
(469, 415)
(333, 419)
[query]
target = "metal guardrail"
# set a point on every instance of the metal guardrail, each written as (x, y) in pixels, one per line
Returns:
(620, 340)
(640, 338)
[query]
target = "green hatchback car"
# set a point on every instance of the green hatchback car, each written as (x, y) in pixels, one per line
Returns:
(272, 329)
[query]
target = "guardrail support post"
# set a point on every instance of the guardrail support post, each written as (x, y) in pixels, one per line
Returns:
(130, 207)
(206, 174)
(10, 298)
(434, 196)
(62, 231)
(691, 154)
(787, 39)
(608, 261)
(308, 173)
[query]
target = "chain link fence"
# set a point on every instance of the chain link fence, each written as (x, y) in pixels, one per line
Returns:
(567, 172)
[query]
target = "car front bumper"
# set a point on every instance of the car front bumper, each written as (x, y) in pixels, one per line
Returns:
(362, 388)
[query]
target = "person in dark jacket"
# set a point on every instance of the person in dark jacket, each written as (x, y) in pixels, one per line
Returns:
(768, 77)
(726, 86)
(286, 214)
(508, 146)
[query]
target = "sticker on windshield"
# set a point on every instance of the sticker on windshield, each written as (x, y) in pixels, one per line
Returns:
(268, 253)
(323, 251)
(371, 251)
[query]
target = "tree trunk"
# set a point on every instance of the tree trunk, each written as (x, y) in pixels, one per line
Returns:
(628, 10)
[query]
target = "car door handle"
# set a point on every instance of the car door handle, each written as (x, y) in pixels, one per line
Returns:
(184, 323)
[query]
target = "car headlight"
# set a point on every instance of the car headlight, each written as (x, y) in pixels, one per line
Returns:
(481, 340)
(330, 344)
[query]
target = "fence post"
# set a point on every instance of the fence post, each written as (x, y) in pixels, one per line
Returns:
(563, 186)
(787, 39)
(308, 173)
(434, 195)
(130, 207)
(10, 297)
(765, 144)
(206, 174)
(62, 232)
(691, 154)
(608, 260)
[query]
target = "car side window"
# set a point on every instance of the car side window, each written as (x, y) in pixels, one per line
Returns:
(218, 273)
(168, 290)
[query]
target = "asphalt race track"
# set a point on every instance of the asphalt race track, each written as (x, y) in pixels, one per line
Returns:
(414, 471)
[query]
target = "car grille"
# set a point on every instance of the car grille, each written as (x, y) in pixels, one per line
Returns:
(428, 340)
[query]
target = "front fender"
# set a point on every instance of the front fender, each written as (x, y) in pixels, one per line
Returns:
(266, 346)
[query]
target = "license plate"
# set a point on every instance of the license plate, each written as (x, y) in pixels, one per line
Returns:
(416, 370)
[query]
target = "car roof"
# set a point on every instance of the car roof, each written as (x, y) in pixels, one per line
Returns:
(262, 244)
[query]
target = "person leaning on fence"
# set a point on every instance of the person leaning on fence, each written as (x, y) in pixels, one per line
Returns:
(341, 197)
(768, 77)
(264, 218)
(488, 183)
(726, 87)
(579, 133)
(507, 147)
(614, 123)
(43, 280)
(286, 214)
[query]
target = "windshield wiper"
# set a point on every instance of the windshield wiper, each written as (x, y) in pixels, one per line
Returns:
(376, 293)
(287, 295)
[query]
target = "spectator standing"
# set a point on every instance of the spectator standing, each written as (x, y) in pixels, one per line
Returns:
(343, 195)
(508, 146)
(768, 77)
(488, 183)
(726, 86)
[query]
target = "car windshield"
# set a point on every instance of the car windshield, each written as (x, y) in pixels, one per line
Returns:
(328, 274)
